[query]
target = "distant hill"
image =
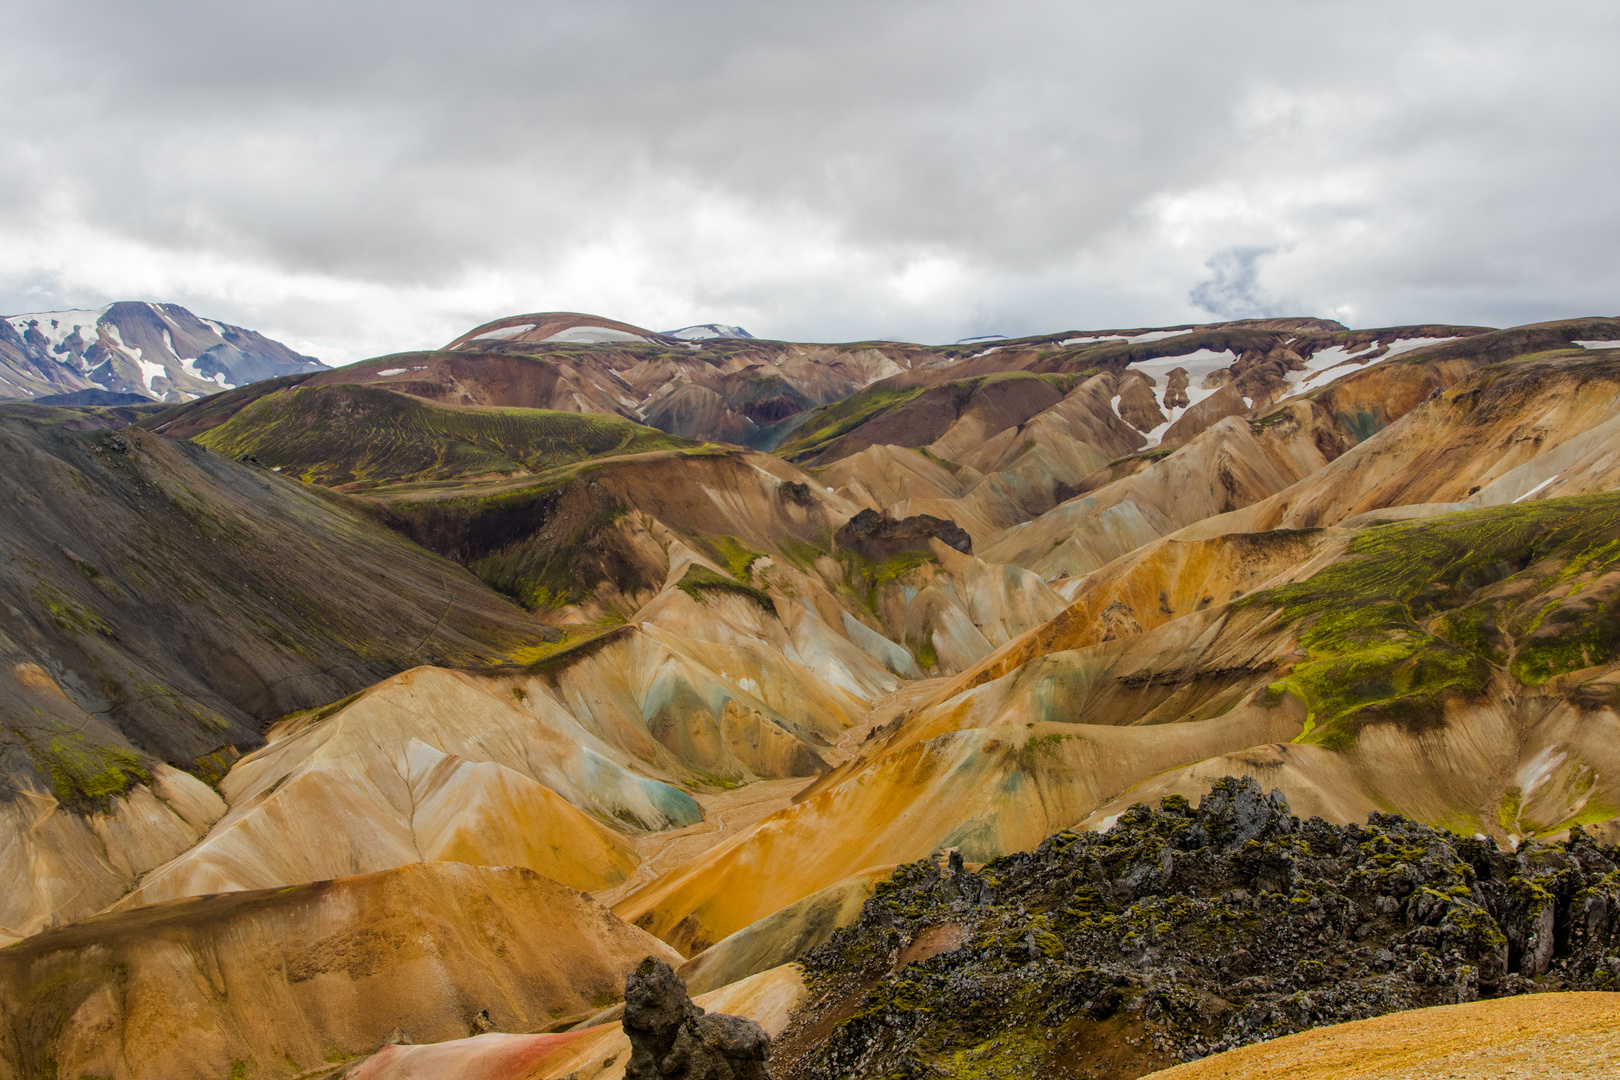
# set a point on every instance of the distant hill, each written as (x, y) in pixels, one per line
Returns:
(159, 352)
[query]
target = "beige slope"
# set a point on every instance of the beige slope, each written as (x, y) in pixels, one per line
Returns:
(1574, 1035)
(1229, 465)
(428, 764)
(992, 469)
(783, 935)
(274, 983)
(65, 864)
(1515, 765)
(1487, 440)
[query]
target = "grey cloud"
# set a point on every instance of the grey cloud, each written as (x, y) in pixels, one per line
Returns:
(790, 164)
(1233, 291)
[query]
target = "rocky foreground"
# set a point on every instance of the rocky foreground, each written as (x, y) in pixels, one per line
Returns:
(1186, 931)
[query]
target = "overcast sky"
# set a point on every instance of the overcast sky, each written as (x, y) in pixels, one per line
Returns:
(357, 178)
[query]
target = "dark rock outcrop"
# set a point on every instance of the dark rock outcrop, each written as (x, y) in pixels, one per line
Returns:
(673, 1039)
(877, 536)
(1185, 931)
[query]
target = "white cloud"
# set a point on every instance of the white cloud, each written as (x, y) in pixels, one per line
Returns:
(365, 178)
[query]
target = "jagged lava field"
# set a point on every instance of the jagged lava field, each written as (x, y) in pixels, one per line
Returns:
(1192, 698)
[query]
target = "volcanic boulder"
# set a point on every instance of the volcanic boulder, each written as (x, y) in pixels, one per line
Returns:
(878, 536)
(673, 1039)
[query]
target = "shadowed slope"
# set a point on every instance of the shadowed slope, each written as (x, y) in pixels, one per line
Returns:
(161, 603)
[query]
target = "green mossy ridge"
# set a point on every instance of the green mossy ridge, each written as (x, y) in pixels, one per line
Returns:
(68, 613)
(923, 651)
(864, 577)
(736, 555)
(949, 466)
(577, 645)
(834, 421)
(348, 434)
(700, 580)
(82, 773)
(1391, 628)
(801, 553)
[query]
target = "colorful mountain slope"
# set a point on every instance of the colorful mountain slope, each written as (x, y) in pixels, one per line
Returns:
(984, 593)
(283, 982)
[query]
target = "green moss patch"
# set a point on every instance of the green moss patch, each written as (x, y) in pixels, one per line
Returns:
(82, 773)
(699, 581)
(1420, 610)
(736, 555)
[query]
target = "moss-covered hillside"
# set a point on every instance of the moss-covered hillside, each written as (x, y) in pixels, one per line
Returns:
(350, 434)
(1422, 610)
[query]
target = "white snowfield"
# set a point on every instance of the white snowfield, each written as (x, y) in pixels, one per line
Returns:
(591, 335)
(1199, 365)
(58, 326)
(1599, 344)
(505, 332)
(1134, 339)
(708, 332)
(1330, 365)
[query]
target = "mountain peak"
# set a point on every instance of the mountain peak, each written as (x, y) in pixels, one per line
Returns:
(161, 352)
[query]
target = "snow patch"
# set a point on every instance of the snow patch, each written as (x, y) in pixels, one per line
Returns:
(504, 332)
(708, 332)
(1536, 771)
(1342, 362)
(1599, 344)
(1200, 365)
(1134, 339)
(1535, 489)
(385, 372)
(591, 335)
(58, 326)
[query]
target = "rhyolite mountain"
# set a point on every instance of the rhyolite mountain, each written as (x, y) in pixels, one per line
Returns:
(721, 630)
(160, 352)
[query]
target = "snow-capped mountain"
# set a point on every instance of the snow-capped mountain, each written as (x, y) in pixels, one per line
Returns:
(708, 332)
(160, 351)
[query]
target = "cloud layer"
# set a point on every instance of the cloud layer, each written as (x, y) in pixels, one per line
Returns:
(361, 177)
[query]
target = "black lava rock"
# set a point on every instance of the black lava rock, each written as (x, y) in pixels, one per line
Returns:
(1185, 931)
(673, 1039)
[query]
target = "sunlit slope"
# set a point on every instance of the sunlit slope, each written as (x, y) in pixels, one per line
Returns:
(1460, 669)
(280, 982)
(1567, 1035)
(429, 765)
